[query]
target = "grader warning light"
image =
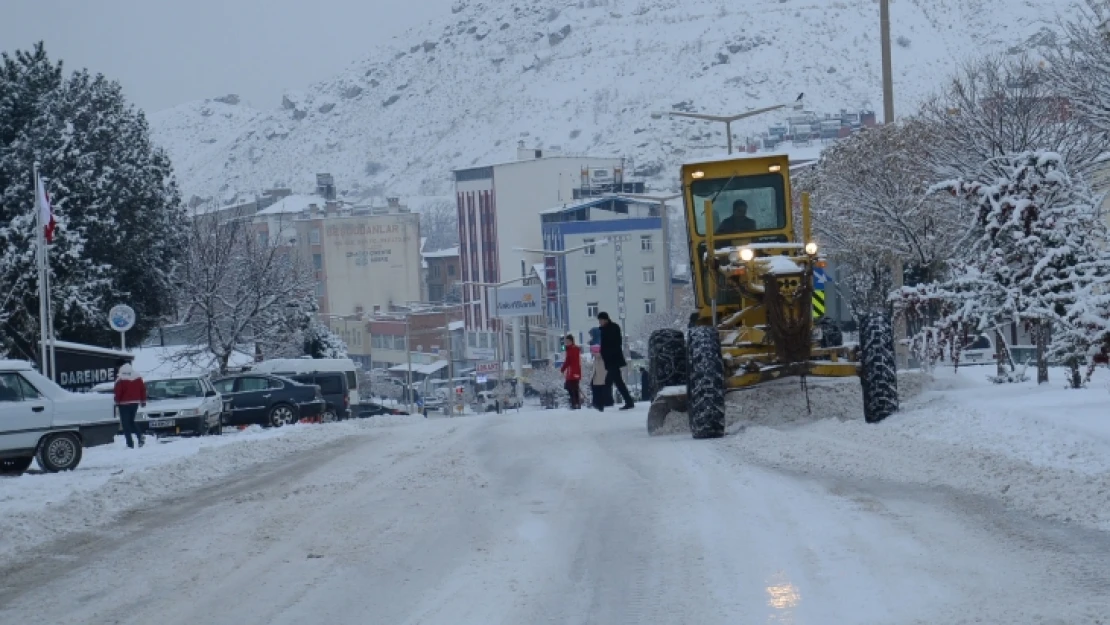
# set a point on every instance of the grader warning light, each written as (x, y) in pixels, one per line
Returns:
(760, 315)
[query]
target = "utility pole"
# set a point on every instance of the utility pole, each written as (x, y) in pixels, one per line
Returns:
(408, 359)
(901, 356)
(888, 79)
(450, 366)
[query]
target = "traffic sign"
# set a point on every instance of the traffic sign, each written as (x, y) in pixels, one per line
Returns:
(819, 278)
(121, 318)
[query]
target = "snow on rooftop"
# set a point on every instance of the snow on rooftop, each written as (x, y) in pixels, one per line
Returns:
(447, 253)
(292, 204)
(456, 325)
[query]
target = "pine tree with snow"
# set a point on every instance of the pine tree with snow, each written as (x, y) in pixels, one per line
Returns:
(320, 342)
(119, 218)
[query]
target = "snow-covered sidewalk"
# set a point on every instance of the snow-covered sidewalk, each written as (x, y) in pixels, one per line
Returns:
(39, 507)
(1045, 450)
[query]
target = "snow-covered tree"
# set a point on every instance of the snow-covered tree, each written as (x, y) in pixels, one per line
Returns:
(1000, 105)
(119, 233)
(872, 210)
(382, 385)
(236, 286)
(548, 383)
(320, 342)
(1080, 68)
(676, 317)
(1036, 257)
(439, 224)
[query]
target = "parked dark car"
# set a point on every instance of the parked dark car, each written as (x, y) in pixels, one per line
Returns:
(333, 387)
(372, 409)
(269, 400)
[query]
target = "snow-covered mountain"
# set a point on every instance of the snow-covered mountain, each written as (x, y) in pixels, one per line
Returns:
(583, 75)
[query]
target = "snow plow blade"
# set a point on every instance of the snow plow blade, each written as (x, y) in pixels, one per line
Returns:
(668, 400)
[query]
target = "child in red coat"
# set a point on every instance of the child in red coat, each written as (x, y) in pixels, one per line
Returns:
(572, 369)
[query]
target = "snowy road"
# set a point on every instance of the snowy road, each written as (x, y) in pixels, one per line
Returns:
(566, 518)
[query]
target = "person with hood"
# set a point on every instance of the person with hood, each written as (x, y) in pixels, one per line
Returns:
(130, 392)
(612, 352)
(572, 371)
(601, 393)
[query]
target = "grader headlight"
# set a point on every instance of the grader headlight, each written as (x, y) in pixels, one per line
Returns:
(811, 248)
(733, 257)
(746, 254)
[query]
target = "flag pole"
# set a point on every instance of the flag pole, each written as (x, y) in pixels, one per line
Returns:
(40, 258)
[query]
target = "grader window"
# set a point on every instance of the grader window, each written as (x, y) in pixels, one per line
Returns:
(759, 203)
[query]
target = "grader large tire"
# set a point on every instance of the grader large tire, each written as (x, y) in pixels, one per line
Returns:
(666, 359)
(706, 387)
(877, 368)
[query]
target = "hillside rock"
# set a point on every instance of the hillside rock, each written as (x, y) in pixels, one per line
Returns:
(585, 75)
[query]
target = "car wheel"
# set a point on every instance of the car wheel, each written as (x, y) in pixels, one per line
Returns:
(15, 466)
(330, 416)
(202, 428)
(218, 429)
(281, 415)
(59, 452)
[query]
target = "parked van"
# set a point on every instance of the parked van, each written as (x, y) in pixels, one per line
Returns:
(303, 366)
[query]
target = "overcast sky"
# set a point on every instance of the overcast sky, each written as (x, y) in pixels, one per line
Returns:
(166, 52)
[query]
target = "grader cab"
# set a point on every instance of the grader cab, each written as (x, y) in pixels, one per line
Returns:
(754, 286)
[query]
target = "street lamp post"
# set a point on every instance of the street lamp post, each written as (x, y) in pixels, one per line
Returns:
(516, 331)
(558, 282)
(728, 119)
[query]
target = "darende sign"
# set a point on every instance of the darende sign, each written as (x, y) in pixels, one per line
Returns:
(520, 301)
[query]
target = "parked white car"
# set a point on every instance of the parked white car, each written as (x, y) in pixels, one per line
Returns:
(181, 404)
(40, 420)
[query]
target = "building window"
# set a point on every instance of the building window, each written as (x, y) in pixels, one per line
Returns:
(591, 310)
(645, 243)
(472, 339)
(649, 275)
(435, 271)
(319, 289)
(314, 236)
(451, 271)
(263, 240)
(589, 251)
(318, 262)
(591, 278)
(649, 306)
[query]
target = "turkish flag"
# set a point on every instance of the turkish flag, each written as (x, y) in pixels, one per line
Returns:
(46, 212)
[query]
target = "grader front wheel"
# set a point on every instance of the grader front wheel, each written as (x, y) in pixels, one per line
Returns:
(706, 389)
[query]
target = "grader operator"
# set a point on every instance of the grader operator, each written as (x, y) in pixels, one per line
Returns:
(753, 282)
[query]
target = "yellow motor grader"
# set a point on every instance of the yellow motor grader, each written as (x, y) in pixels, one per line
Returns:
(753, 278)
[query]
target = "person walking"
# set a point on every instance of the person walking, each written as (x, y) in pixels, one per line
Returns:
(572, 371)
(130, 393)
(612, 352)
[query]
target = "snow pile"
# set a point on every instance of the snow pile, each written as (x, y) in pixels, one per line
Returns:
(583, 76)
(112, 479)
(1044, 450)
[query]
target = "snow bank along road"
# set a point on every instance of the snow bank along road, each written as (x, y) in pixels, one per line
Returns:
(559, 517)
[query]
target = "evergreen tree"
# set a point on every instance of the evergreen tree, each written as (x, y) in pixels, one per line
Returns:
(319, 341)
(118, 210)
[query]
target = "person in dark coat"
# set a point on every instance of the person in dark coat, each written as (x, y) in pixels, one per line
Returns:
(612, 353)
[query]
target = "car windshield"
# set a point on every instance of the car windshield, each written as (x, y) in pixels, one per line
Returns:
(741, 203)
(183, 388)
